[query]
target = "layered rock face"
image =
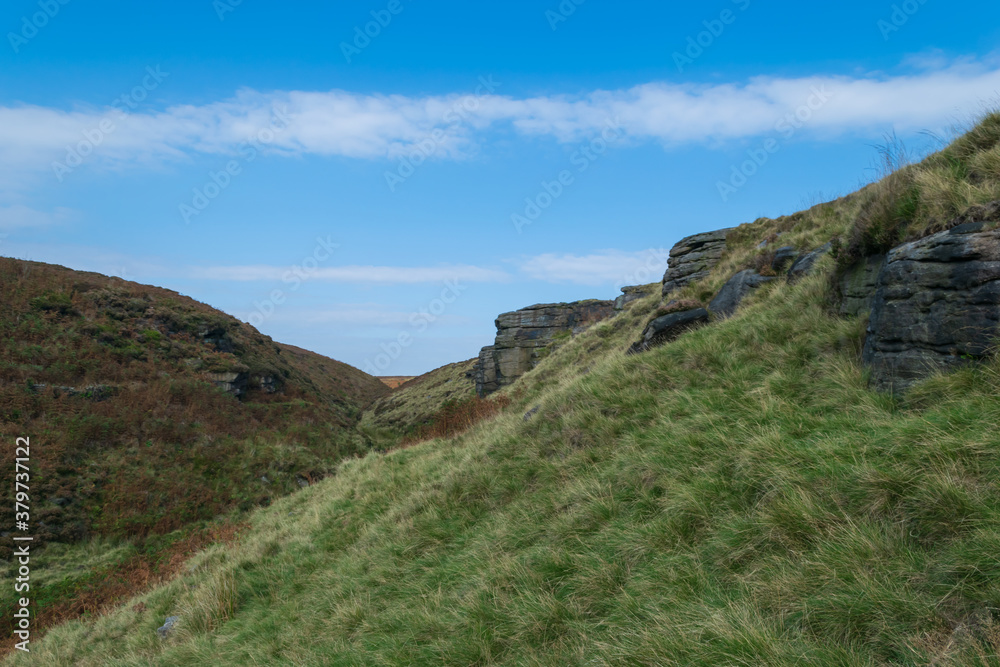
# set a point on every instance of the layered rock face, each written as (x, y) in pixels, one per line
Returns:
(936, 306)
(523, 334)
(693, 258)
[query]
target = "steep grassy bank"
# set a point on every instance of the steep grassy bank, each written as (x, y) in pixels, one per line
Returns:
(737, 497)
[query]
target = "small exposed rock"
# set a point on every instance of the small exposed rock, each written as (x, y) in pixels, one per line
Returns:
(531, 413)
(164, 630)
(633, 293)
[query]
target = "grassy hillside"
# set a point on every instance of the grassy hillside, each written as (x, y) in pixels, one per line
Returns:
(737, 497)
(415, 403)
(131, 439)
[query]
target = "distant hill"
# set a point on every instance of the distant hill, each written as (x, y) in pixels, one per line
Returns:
(147, 410)
(416, 402)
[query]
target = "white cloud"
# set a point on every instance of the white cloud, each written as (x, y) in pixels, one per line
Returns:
(607, 267)
(19, 216)
(341, 123)
(397, 275)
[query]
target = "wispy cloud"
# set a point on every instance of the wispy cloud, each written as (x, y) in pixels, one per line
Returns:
(341, 123)
(604, 268)
(398, 275)
(374, 316)
(19, 216)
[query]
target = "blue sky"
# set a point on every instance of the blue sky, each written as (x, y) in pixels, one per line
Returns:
(461, 160)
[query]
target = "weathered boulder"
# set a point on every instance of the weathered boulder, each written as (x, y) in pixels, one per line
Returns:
(693, 258)
(668, 327)
(523, 335)
(804, 265)
(936, 306)
(734, 291)
(857, 285)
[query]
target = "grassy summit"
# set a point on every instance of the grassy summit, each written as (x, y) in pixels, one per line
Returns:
(737, 497)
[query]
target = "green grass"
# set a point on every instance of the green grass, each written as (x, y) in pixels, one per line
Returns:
(915, 200)
(414, 404)
(737, 497)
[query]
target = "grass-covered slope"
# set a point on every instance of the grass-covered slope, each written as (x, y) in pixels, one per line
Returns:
(737, 497)
(415, 403)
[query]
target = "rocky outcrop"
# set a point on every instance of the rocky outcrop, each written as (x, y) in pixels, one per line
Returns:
(523, 335)
(693, 258)
(484, 373)
(237, 383)
(94, 392)
(668, 327)
(936, 306)
(857, 285)
(734, 291)
(633, 293)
